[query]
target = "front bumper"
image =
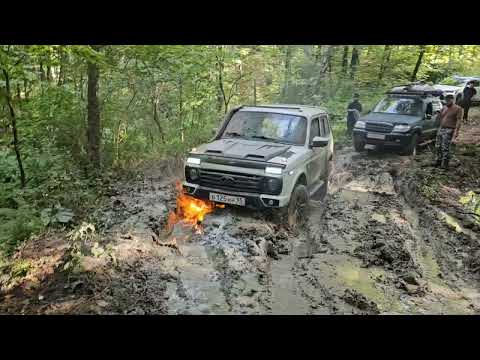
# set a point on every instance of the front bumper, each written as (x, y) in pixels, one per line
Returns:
(252, 201)
(396, 140)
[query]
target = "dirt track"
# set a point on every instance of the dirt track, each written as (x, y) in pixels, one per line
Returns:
(372, 246)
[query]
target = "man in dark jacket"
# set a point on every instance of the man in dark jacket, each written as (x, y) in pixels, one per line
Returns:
(468, 93)
(353, 113)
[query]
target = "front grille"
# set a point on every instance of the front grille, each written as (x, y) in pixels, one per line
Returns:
(235, 181)
(379, 127)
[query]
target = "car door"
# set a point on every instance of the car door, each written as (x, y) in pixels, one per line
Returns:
(428, 128)
(325, 132)
(437, 108)
(314, 162)
(330, 137)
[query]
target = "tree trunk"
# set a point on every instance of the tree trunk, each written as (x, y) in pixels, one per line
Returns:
(13, 121)
(26, 89)
(254, 92)
(42, 73)
(80, 86)
(318, 53)
(49, 73)
(182, 131)
(156, 119)
(355, 60)
(221, 96)
(288, 69)
(345, 60)
(61, 72)
(330, 57)
(385, 60)
(419, 62)
(93, 110)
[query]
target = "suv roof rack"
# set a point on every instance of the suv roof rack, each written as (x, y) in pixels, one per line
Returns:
(417, 88)
(293, 107)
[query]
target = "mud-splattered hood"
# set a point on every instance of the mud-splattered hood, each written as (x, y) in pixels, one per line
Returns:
(393, 119)
(259, 151)
(244, 149)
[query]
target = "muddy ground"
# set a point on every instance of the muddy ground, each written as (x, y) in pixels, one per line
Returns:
(376, 244)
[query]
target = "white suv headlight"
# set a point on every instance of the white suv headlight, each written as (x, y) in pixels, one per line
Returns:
(360, 124)
(273, 170)
(193, 160)
(401, 128)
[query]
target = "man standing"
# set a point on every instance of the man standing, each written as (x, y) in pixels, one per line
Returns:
(353, 113)
(468, 93)
(450, 121)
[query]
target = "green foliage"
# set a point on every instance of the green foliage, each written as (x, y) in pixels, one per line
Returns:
(471, 201)
(16, 225)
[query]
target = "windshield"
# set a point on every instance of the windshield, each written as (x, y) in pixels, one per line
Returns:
(264, 126)
(400, 106)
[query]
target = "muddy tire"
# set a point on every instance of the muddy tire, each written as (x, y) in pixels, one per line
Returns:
(296, 209)
(358, 145)
(411, 149)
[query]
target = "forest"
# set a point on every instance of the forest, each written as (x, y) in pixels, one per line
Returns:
(73, 118)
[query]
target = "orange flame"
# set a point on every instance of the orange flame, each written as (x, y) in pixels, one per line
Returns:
(190, 210)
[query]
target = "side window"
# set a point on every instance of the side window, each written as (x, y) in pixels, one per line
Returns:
(323, 129)
(429, 110)
(314, 129)
(327, 126)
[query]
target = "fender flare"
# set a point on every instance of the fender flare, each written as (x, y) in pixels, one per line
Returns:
(298, 176)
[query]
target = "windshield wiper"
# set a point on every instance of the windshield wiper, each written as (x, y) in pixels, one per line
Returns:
(263, 137)
(234, 134)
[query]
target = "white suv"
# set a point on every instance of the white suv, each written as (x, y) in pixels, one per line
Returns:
(267, 157)
(455, 86)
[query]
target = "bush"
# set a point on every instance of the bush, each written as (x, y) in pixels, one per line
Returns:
(17, 225)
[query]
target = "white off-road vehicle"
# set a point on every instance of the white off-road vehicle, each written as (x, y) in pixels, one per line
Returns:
(265, 157)
(455, 86)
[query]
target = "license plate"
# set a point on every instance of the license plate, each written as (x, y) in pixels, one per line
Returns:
(376, 136)
(227, 199)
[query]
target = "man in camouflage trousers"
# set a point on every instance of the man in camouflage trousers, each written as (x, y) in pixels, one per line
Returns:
(450, 121)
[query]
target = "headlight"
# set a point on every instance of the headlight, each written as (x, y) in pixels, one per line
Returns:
(193, 160)
(360, 124)
(273, 170)
(401, 128)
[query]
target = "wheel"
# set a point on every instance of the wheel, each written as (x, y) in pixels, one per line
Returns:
(411, 149)
(358, 145)
(294, 213)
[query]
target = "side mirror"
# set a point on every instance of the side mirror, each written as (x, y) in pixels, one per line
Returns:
(319, 141)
